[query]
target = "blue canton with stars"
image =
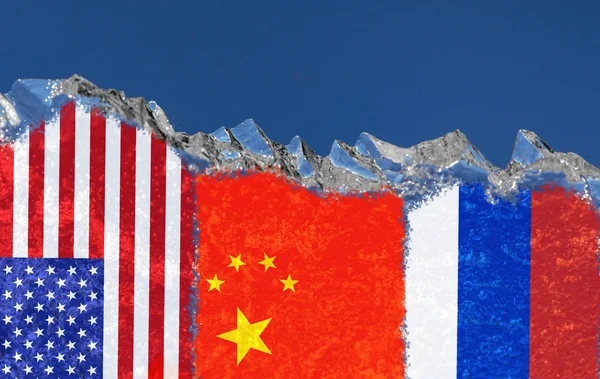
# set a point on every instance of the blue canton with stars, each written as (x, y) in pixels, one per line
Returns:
(51, 318)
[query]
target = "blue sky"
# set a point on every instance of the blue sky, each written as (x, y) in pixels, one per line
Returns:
(404, 71)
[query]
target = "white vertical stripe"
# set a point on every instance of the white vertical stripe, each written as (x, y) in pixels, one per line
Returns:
(111, 249)
(172, 257)
(432, 288)
(142, 254)
(82, 184)
(21, 196)
(51, 181)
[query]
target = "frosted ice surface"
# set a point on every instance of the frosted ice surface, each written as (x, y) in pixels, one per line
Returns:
(414, 171)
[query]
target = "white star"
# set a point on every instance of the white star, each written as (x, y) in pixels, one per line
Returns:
(28, 345)
(7, 294)
(18, 307)
(29, 270)
(6, 369)
(71, 370)
(17, 332)
(60, 357)
(18, 282)
(50, 295)
(50, 320)
(27, 369)
(49, 345)
(92, 345)
(71, 295)
(49, 370)
(29, 295)
(92, 296)
(17, 357)
(81, 333)
(82, 283)
(71, 270)
(7, 319)
(61, 307)
(81, 357)
(38, 332)
(6, 344)
(61, 283)
(71, 320)
(82, 308)
(94, 270)
(71, 345)
(39, 307)
(29, 319)
(39, 282)
(7, 269)
(92, 320)
(50, 270)
(92, 370)
(39, 357)
(60, 332)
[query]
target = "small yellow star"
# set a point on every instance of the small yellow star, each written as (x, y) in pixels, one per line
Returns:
(236, 262)
(288, 283)
(247, 336)
(215, 283)
(267, 262)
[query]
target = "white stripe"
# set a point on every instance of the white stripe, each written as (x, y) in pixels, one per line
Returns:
(82, 184)
(172, 257)
(142, 255)
(432, 288)
(51, 181)
(20, 196)
(111, 249)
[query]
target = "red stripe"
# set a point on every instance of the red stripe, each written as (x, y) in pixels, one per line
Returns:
(36, 193)
(565, 287)
(187, 277)
(158, 182)
(126, 253)
(66, 188)
(97, 182)
(7, 166)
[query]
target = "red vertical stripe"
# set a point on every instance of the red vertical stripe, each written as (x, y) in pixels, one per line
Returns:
(187, 278)
(36, 193)
(7, 166)
(126, 253)
(565, 287)
(97, 183)
(66, 188)
(158, 182)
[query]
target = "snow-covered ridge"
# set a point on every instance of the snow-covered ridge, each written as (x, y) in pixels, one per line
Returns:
(367, 165)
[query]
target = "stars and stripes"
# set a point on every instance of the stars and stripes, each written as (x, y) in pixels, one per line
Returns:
(83, 186)
(51, 312)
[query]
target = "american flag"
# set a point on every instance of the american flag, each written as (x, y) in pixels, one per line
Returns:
(92, 192)
(51, 310)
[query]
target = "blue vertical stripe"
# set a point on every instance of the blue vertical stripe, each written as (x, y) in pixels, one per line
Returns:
(493, 286)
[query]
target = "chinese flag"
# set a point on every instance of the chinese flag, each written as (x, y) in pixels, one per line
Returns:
(294, 284)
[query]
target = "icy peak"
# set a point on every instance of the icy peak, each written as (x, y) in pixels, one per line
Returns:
(529, 148)
(251, 136)
(221, 134)
(305, 157)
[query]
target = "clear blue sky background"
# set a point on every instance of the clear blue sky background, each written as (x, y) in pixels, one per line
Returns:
(405, 71)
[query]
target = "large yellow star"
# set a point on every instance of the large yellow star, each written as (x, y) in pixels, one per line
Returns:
(267, 262)
(247, 336)
(236, 262)
(215, 283)
(288, 283)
